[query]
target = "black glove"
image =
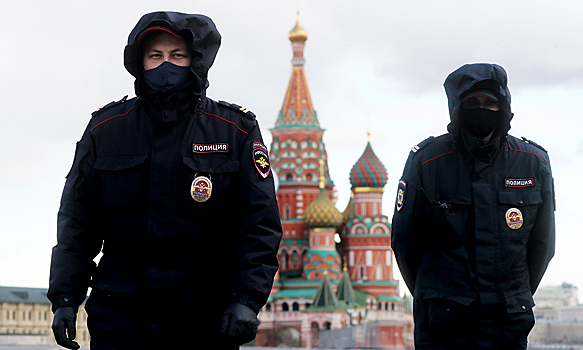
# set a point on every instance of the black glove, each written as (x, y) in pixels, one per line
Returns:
(239, 324)
(64, 327)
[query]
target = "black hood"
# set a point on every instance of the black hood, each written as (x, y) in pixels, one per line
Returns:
(198, 31)
(462, 80)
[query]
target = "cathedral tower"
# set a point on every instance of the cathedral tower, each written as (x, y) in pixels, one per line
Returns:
(366, 238)
(296, 149)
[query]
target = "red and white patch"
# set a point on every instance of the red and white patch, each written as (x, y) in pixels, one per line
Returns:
(201, 188)
(514, 218)
(519, 182)
(210, 148)
(401, 195)
(260, 157)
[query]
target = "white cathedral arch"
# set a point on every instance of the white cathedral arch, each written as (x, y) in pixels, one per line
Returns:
(380, 228)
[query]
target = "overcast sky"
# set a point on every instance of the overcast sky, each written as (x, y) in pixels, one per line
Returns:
(369, 64)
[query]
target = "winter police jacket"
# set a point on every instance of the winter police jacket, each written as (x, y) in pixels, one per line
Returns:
(130, 190)
(466, 227)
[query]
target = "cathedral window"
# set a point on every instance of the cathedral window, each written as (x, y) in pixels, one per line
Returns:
(327, 325)
(268, 307)
(284, 307)
(289, 177)
(380, 306)
(283, 260)
(295, 307)
(379, 274)
(295, 257)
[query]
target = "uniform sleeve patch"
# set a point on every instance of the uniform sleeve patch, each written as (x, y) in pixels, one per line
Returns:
(400, 203)
(260, 159)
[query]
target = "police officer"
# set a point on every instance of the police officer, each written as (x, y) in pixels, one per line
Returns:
(473, 228)
(175, 190)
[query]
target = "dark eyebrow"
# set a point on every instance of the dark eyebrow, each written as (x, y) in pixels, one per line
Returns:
(180, 49)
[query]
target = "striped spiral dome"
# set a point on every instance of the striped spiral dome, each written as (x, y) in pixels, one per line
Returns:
(368, 171)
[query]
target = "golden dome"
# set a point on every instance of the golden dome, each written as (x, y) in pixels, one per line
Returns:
(322, 212)
(298, 34)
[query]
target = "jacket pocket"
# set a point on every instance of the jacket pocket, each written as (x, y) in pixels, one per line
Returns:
(449, 218)
(521, 302)
(448, 314)
(517, 213)
(221, 172)
(124, 181)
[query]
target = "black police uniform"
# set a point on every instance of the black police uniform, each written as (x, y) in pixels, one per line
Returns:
(170, 264)
(471, 269)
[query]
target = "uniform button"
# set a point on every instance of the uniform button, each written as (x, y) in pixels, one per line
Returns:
(521, 202)
(66, 300)
(523, 307)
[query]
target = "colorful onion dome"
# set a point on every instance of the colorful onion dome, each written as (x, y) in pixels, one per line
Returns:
(298, 34)
(322, 212)
(368, 170)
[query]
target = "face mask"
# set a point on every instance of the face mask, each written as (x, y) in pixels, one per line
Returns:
(480, 121)
(167, 77)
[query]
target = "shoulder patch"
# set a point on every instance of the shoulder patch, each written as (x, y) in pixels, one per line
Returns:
(422, 144)
(534, 144)
(260, 158)
(109, 105)
(243, 110)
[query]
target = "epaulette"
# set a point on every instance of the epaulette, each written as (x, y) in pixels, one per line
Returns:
(422, 144)
(109, 105)
(243, 110)
(534, 144)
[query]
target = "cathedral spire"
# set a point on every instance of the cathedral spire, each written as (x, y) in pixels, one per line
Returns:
(297, 109)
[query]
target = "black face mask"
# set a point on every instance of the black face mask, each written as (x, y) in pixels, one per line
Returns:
(480, 122)
(168, 78)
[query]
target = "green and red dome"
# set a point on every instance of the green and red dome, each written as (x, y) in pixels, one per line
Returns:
(368, 170)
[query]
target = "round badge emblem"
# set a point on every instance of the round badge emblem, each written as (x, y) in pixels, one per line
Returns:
(201, 188)
(514, 218)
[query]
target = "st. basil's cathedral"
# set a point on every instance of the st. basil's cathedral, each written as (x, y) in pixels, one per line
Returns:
(322, 284)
